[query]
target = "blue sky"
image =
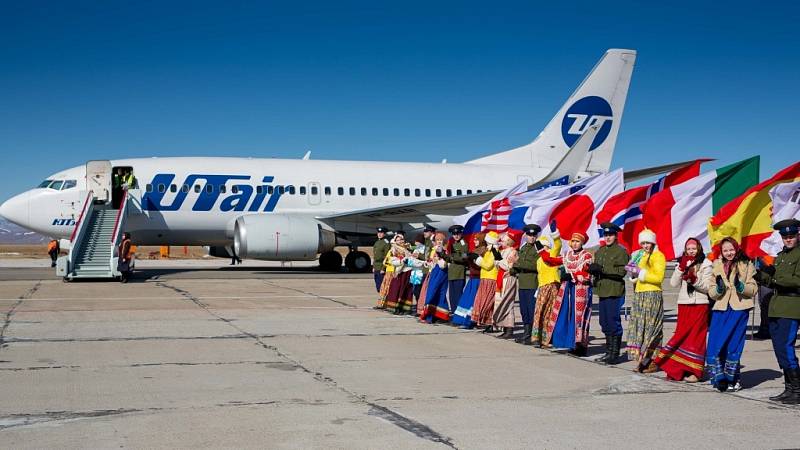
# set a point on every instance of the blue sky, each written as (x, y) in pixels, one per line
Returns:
(388, 81)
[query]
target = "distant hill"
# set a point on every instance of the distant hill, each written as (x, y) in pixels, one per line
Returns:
(14, 234)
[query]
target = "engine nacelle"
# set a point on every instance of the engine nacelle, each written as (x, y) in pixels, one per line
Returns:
(281, 237)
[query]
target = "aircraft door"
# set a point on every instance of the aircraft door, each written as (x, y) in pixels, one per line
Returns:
(98, 179)
(314, 193)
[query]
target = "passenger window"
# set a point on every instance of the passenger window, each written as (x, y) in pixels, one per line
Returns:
(209, 188)
(56, 184)
(327, 190)
(290, 189)
(281, 190)
(314, 190)
(185, 188)
(458, 192)
(469, 191)
(270, 190)
(302, 190)
(479, 191)
(417, 192)
(234, 189)
(407, 192)
(148, 188)
(197, 188)
(396, 192)
(69, 184)
(449, 192)
(427, 192)
(173, 188)
(223, 189)
(363, 191)
(340, 191)
(385, 192)
(259, 189)
(352, 191)
(375, 192)
(162, 188)
(438, 192)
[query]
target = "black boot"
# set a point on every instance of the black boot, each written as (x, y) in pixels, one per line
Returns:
(786, 387)
(580, 350)
(508, 333)
(616, 345)
(794, 388)
(526, 335)
(487, 330)
(604, 359)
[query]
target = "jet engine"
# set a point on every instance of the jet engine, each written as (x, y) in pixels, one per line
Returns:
(281, 237)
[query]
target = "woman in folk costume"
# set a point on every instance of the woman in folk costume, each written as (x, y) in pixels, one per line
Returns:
(399, 284)
(646, 329)
(572, 307)
(732, 287)
(397, 249)
(483, 308)
(418, 276)
(549, 284)
(463, 314)
(683, 357)
(436, 306)
(506, 290)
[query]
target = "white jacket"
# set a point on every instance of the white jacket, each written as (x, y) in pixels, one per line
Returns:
(700, 294)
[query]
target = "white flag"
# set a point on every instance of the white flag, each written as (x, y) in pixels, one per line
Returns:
(785, 205)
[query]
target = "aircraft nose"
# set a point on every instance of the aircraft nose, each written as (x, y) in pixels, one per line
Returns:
(17, 209)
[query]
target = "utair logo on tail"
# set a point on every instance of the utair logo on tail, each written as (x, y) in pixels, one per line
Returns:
(588, 111)
(208, 189)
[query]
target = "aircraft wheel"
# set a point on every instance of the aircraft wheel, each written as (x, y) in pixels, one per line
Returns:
(358, 262)
(330, 261)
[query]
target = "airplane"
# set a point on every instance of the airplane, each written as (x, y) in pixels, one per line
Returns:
(297, 209)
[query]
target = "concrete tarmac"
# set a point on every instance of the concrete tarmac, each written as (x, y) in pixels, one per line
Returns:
(257, 357)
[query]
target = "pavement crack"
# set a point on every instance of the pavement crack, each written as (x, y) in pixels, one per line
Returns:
(10, 313)
(321, 297)
(416, 428)
(19, 420)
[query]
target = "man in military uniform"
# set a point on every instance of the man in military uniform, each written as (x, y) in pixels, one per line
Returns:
(456, 258)
(428, 233)
(608, 270)
(784, 307)
(528, 280)
(379, 251)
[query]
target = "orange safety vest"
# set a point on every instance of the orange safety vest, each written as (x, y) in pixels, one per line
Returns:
(52, 246)
(125, 249)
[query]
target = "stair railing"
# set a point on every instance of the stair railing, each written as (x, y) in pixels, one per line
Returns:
(79, 232)
(116, 235)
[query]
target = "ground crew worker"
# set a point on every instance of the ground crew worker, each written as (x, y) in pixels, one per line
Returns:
(784, 307)
(608, 270)
(125, 257)
(528, 277)
(379, 251)
(53, 248)
(456, 258)
(129, 180)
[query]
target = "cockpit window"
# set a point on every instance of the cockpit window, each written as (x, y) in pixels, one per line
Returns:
(45, 183)
(56, 184)
(69, 184)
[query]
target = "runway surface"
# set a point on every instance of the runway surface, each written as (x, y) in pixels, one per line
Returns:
(267, 357)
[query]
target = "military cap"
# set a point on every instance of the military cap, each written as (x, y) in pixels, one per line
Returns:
(456, 229)
(787, 227)
(382, 230)
(430, 228)
(610, 228)
(532, 229)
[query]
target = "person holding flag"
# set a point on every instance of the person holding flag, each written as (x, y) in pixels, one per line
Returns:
(528, 279)
(608, 272)
(732, 287)
(549, 280)
(463, 315)
(646, 330)
(572, 308)
(784, 308)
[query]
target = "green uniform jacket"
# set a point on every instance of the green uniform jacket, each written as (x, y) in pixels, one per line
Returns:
(457, 261)
(428, 248)
(612, 281)
(379, 251)
(785, 302)
(527, 274)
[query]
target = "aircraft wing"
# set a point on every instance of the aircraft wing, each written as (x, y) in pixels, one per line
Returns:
(634, 175)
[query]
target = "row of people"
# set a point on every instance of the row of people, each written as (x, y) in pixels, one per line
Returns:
(556, 291)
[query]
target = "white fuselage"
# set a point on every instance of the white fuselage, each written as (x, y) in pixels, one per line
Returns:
(184, 203)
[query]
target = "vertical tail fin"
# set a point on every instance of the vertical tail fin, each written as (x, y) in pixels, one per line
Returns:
(598, 101)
